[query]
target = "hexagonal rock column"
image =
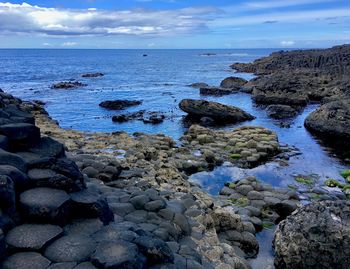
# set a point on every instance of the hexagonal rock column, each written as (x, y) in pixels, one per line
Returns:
(46, 205)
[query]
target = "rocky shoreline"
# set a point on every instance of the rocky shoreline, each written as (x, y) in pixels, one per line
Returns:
(73, 199)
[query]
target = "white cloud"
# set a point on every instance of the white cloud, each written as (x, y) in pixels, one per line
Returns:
(69, 44)
(288, 43)
(26, 18)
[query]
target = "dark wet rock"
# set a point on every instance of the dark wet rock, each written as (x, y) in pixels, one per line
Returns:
(68, 85)
(4, 142)
(36, 161)
(25, 260)
(153, 118)
(2, 245)
(281, 111)
(45, 205)
(48, 147)
(6, 222)
(156, 251)
(32, 236)
(199, 85)
(7, 193)
(118, 254)
(19, 178)
(155, 205)
(234, 83)
(331, 120)
(139, 201)
(89, 204)
(7, 158)
(63, 265)
(85, 265)
(21, 135)
(316, 236)
(92, 75)
(119, 104)
(206, 121)
(71, 248)
(280, 89)
(129, 116)
(216, 111)
(68, 168)
(216, 91)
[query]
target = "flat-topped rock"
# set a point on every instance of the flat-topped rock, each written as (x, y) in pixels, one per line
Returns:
(118, 254)
(71, 248)
(216, 91)
(32, 236)
(48, 147)
(26, 260)
(119, 104)
(20, 135)
(45, 204)
(214, 110)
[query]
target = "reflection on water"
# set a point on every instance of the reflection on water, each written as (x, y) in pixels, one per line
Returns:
(265, 257)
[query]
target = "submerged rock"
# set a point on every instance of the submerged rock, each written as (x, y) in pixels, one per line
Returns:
(198, 85)
(331, 120)
(92, 75)
(216, 111)
(119, 104)
(68, 85)
(316, 236)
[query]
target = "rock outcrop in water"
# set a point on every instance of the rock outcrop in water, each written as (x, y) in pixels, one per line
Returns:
(142, 115)
(68, 85)
(302, 75)
(92, 75)
(119, 104)
(233, 83)
(331, 120)
(219, 112)
(315, 237)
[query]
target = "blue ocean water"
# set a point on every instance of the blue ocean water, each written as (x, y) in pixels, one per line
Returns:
(160, 80)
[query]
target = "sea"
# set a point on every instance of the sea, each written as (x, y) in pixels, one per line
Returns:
(160, 79)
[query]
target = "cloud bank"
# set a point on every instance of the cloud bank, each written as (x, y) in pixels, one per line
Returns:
(26, 18)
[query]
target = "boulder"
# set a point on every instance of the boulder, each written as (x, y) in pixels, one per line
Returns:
(32, 236)
(21, 135)
(216, 111)
(63, 265)
(316, 236)
(119, 104)
(46, 205)
(331, 120)
(281, 111)
(233, 83)
(71, 248)
(118, 254)
(68, 85)
(25, 260)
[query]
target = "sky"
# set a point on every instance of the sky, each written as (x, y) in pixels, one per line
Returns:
(174, 24)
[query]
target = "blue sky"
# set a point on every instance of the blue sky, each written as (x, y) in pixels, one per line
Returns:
(174, 23)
